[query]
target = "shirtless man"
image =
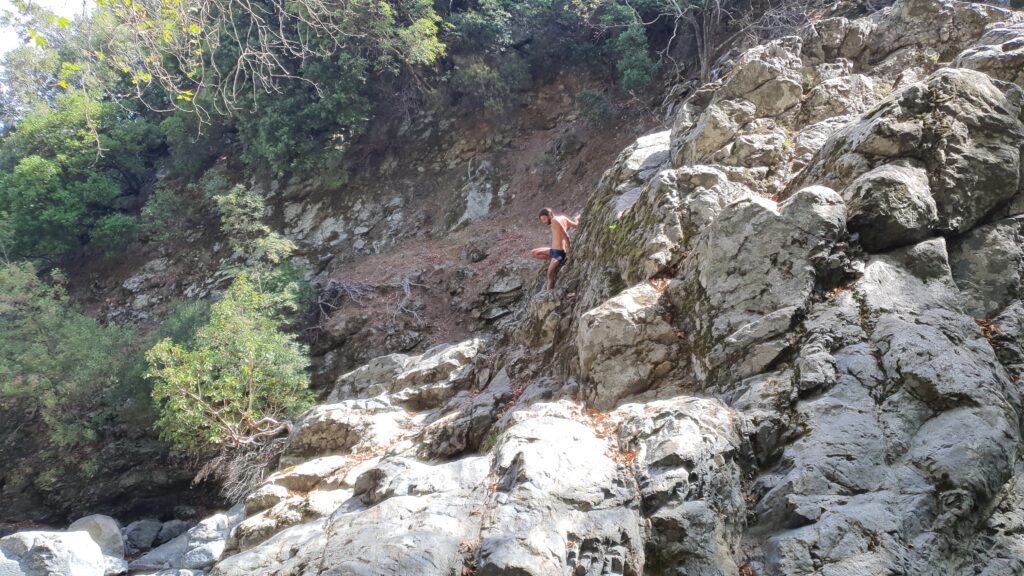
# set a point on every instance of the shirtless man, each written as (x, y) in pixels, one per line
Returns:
(561, 247)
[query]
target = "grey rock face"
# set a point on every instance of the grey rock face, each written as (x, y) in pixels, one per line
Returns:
(890, 206)
(687, 469)
(961, 126)
(747, 276)
(987, 264)
(104, 530)
(416, 381)
(171, 530)
(140, 535)
(999, 53)
(625, 344)
(197, 549)
(559, 493)
(50, 553)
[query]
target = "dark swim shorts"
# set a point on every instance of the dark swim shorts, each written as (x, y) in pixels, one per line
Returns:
(557, 254)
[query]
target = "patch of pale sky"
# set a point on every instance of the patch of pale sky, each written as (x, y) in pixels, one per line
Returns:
(9, 40)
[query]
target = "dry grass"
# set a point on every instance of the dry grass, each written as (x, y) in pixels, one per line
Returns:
(241, 471)
(988, 329)
(468, 549)
(835, 292)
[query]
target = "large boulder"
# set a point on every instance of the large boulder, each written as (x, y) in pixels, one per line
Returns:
(559, 500)
(197, 549)
(418, 382)
(140, 535)
(104, 530)
(988, 264)
(749, 275)
(963, 129)
(50, 554)
(881, 462)
(361, 424)
(417, 520)
(853, 94)
(625, 345)
(999, 53)
(685, 456)
(890, 206)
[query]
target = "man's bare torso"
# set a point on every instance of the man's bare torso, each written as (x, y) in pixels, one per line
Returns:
(559, 237)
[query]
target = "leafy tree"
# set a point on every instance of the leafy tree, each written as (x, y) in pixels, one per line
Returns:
(56, 188)
(112, 231)
(238, 380)
(238, 383)
(265, 253)
(491, 85)
(190, 152)
(635, 64)
(184, 320)
(72, 369)
(311, 122)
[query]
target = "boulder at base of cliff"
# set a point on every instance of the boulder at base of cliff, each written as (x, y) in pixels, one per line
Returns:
(50, 553)
(199, 548)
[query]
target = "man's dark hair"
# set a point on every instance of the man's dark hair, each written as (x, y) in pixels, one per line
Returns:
(546, 212)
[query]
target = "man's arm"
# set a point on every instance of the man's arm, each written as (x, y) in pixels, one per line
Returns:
(570, 223)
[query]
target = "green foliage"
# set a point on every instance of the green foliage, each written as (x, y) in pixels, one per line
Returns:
(184, 321)
(489, 440)
(635, 65)
(307, 126)
(265, 252)
(593, 104)
(241, 216)
(71, 368)
(190, 152)
(214, 182)
(236, 382)
(492, 86)
(56, 188)
(173, 208)
(165, 210)
(29, 81)
(111, 232)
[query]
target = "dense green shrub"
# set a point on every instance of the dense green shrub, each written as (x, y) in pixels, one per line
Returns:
(111, 232)
(60, 179)
(306, 126)
(635, 64)
(75, 371)
(237, 382)
(165, 211)
(174, 208)
(183, 321)
(492, 86)
(190, 151)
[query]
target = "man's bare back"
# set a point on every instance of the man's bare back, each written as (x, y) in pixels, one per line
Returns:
(561, 245)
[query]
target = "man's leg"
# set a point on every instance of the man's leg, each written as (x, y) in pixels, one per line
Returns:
(553, 272)
(541, 253)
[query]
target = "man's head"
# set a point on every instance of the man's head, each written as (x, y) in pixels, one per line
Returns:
(545, 215)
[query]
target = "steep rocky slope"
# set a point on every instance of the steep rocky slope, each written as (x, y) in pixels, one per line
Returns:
(788, 342)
